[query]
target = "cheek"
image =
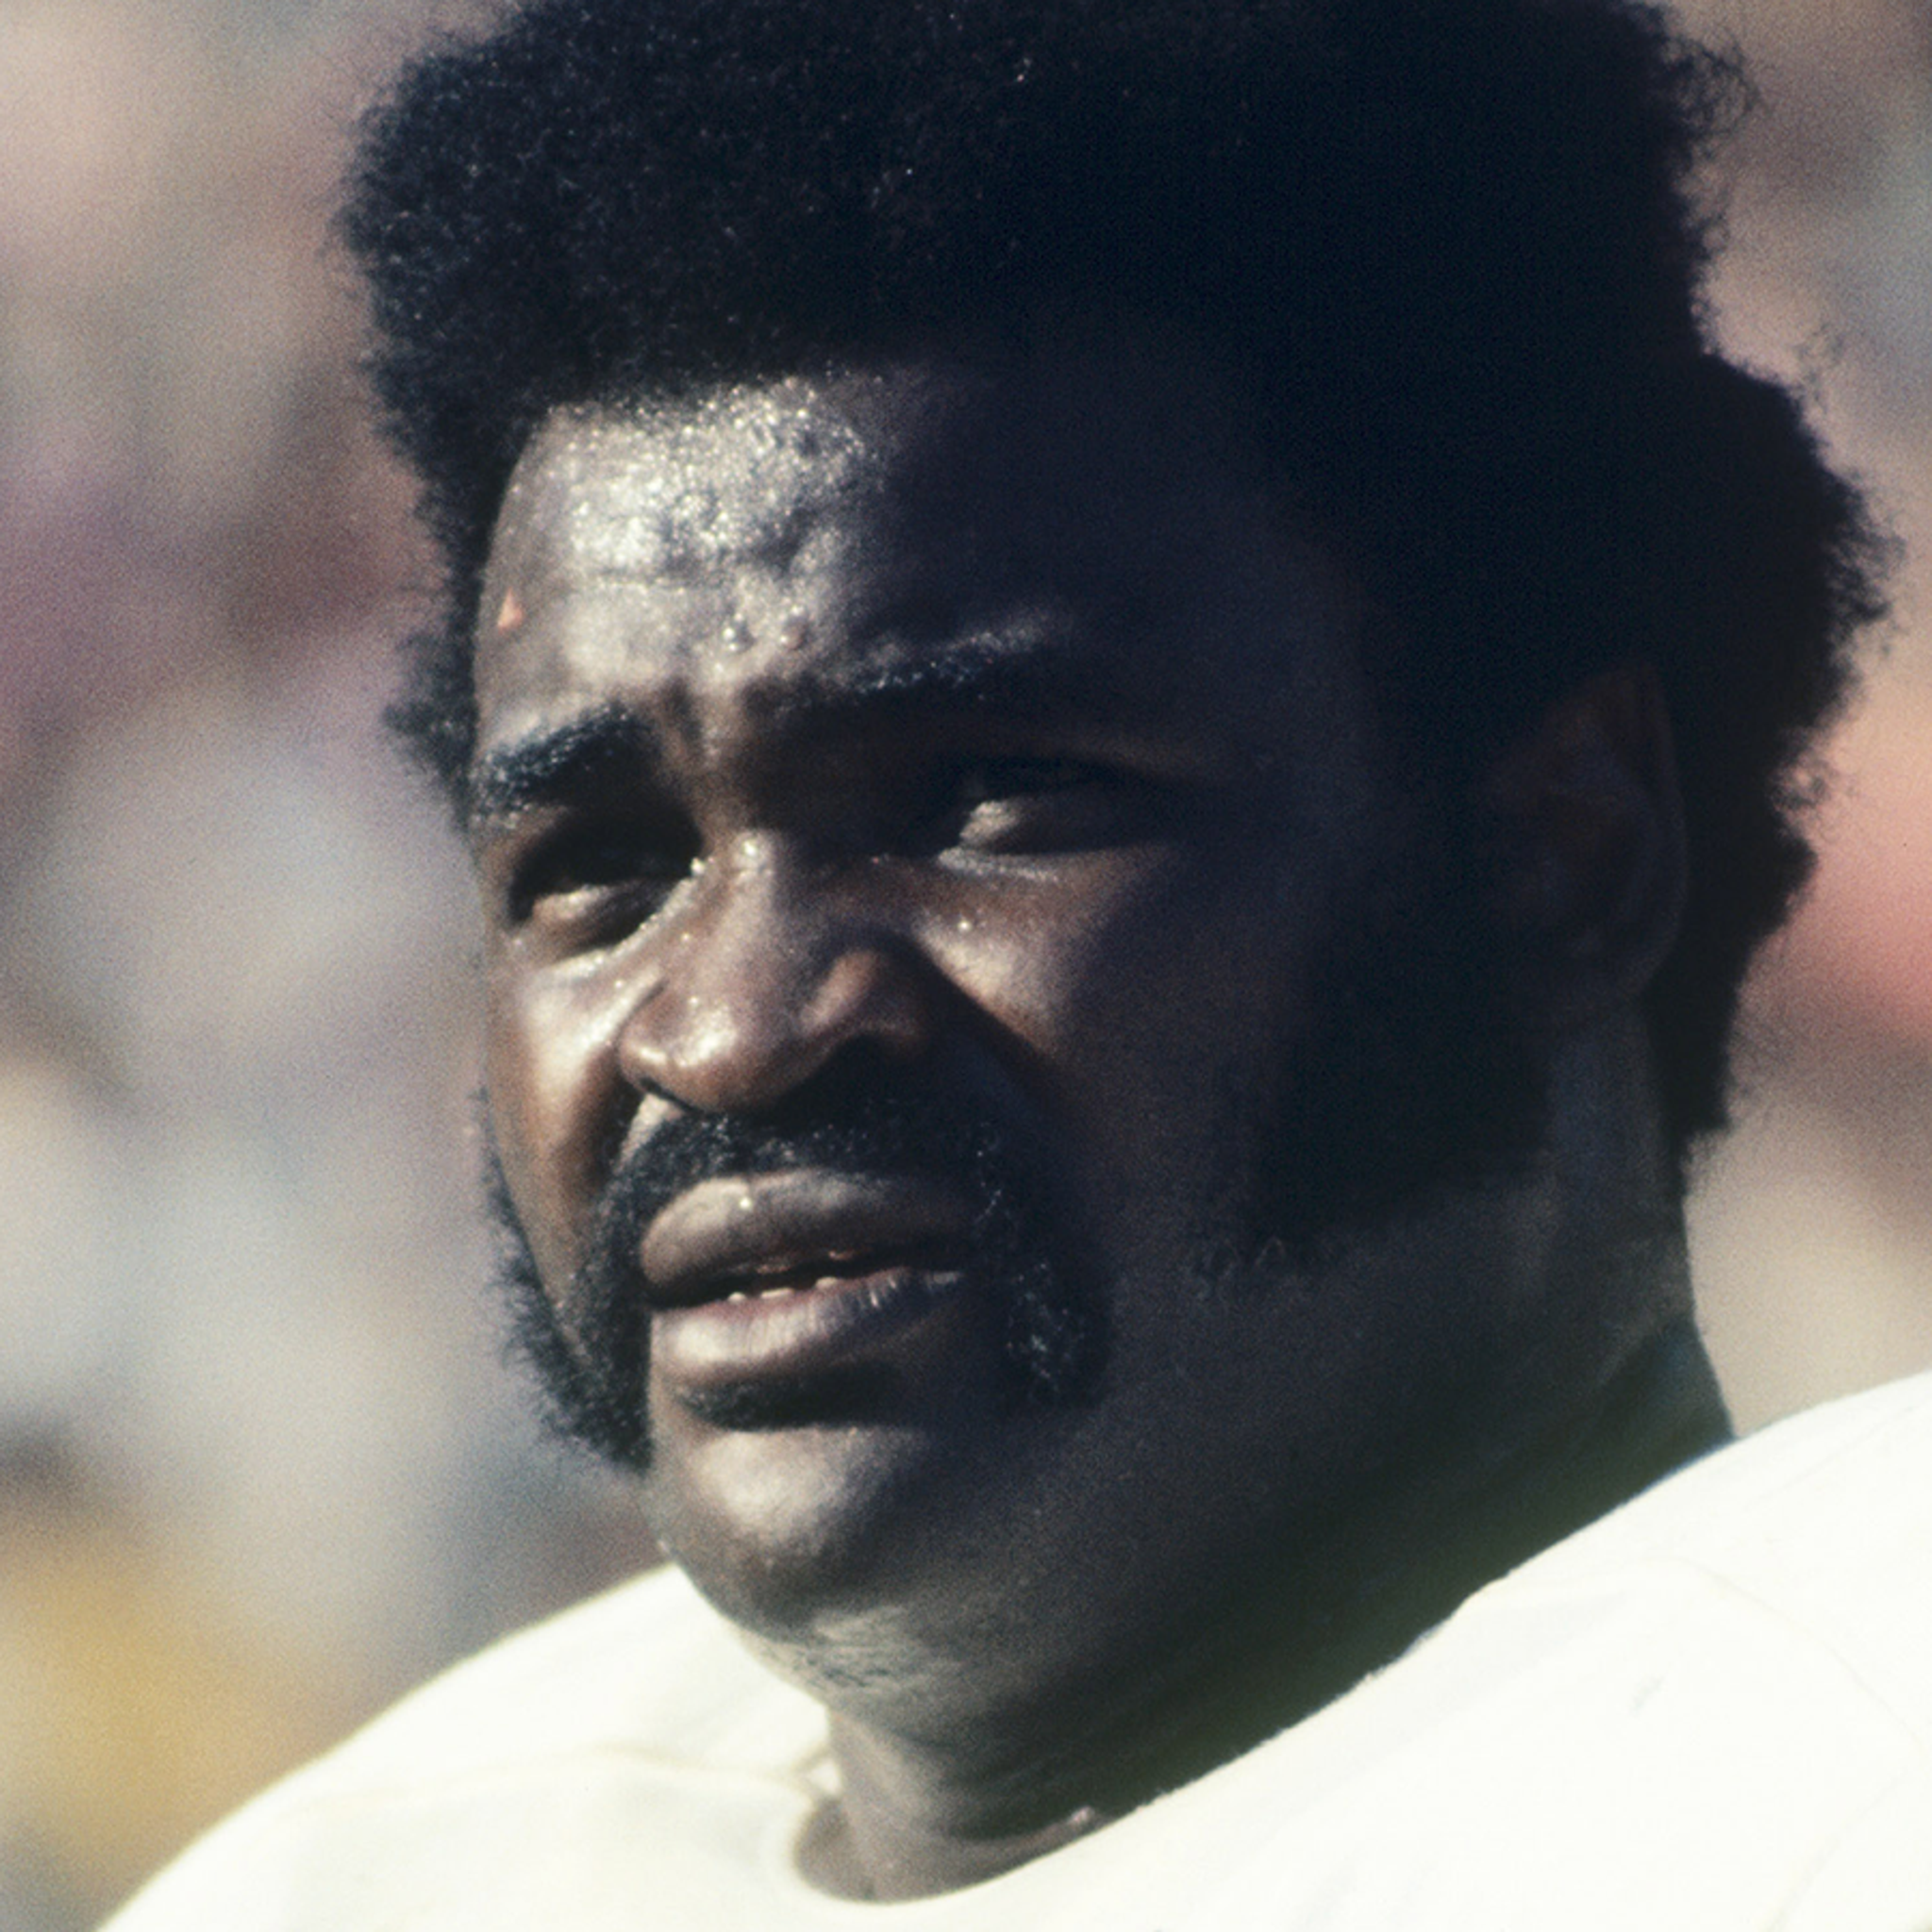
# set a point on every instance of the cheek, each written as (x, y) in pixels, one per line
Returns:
(1131, 994)
(555, 1100)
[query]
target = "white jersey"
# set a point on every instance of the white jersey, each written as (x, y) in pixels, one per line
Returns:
(1710, 1711)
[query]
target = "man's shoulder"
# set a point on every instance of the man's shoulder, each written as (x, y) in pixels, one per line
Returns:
(586, 1716)
(1813, 1536)
(645, 1668)
(1806, 1456)
(1712, 1708)
(1807, 1513)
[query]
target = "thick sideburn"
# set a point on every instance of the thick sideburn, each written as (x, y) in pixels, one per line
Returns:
(1424, 1069)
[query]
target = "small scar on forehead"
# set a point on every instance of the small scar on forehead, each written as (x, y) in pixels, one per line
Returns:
(510, 617)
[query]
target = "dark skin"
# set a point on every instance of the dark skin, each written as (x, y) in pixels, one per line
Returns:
(999, 728)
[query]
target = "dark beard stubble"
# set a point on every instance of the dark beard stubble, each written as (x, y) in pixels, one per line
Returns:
(1421, 1072)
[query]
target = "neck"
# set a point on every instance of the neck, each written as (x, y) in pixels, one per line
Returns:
(916, 1820)
(1606, 1390)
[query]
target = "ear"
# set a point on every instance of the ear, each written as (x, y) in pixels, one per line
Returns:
(1591, 832)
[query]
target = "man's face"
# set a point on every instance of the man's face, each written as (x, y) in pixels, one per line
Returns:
(918, 817)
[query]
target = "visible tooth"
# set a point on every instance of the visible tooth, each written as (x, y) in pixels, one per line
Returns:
(826, 1281)
(842, 1255)
(772, 1295)
(738, 1294)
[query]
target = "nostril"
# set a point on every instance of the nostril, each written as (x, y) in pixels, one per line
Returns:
(729, 1028)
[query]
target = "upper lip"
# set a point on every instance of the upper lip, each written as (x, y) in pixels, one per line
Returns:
(792, 1227)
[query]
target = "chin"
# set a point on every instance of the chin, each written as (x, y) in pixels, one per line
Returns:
(781, 1527)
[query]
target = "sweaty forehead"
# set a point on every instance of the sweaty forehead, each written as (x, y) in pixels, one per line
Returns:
(808, 533)
(675, 490)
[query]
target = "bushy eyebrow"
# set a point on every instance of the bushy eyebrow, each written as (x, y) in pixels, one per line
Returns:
(561, 763)
(990, 678)
(557, 763)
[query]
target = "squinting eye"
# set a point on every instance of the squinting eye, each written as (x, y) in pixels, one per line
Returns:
(597, 880)
(1026, 805)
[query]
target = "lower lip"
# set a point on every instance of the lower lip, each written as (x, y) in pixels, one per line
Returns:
(836, 1324)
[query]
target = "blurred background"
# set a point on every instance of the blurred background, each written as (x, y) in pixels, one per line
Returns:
(259, 1466)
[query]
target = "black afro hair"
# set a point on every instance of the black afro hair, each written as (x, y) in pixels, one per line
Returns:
(1440, 254)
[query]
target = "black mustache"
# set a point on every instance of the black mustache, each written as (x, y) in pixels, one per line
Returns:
(869, 1128)
(863, 1119)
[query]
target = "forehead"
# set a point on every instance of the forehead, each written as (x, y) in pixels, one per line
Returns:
(1081, 526)
(608, 496)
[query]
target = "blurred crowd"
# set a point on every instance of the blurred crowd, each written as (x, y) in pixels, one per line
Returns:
(260, 1464)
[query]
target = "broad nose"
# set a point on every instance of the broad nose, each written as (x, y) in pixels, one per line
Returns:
(771, 973)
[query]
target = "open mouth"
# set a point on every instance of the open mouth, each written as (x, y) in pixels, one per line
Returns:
(802, 1275)
(793, 1231)
(781, 1278)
